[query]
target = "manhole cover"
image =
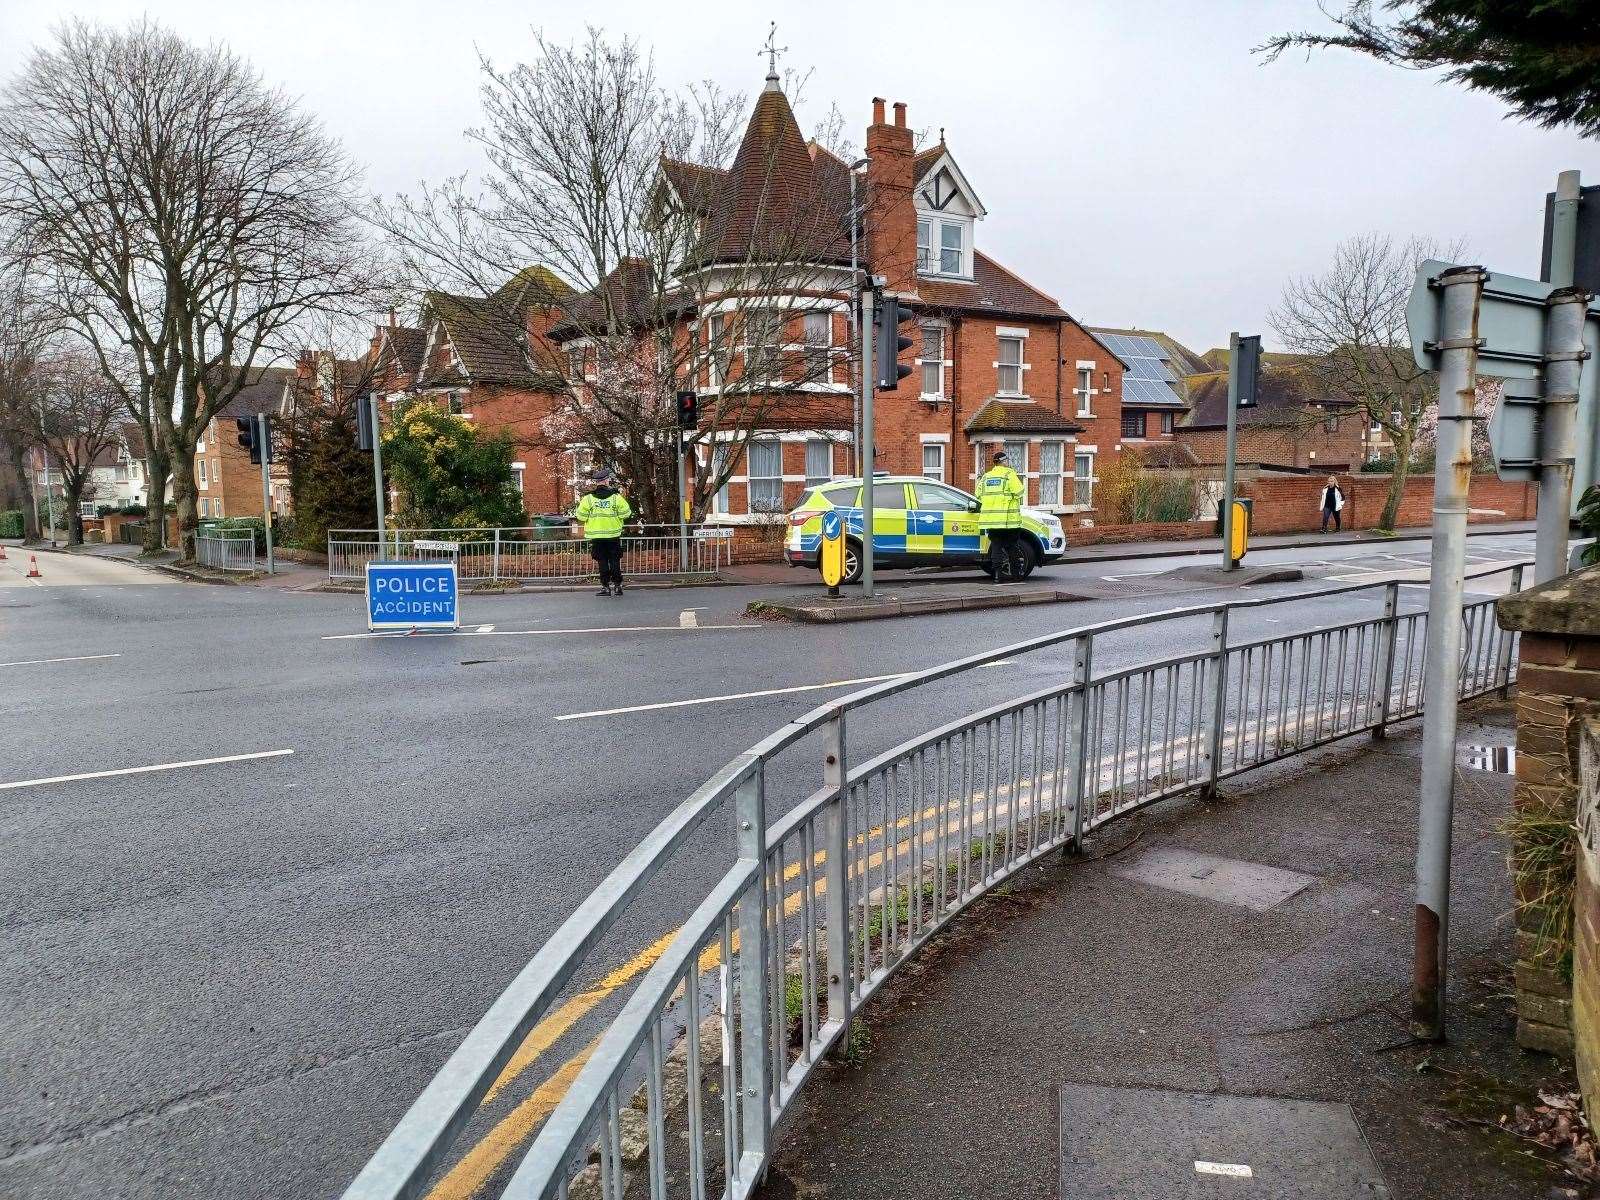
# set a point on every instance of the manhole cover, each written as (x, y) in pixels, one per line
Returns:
(1224, 880)
(1144, 1144)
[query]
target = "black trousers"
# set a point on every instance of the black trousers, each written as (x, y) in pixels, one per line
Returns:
(1331, 514)
(607, 553)
(1005, 553)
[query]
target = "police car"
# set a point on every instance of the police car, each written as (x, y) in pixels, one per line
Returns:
(916, 522)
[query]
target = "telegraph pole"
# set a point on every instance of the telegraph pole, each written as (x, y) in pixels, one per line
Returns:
(1458, 343)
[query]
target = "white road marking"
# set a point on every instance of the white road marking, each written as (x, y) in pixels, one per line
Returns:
(1232, 1170)
(485, 629)
(783, 691)
(688, 620)
(34, 662)
(172, 766)
(345, 637)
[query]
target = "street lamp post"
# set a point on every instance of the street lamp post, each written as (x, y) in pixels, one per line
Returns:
(855, 306)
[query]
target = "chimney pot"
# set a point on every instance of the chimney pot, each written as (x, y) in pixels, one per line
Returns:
(900, 114)
(877, 110)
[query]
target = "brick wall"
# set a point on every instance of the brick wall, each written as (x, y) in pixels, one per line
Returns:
(1292, 504)
(1558, 691)
(1304, 448)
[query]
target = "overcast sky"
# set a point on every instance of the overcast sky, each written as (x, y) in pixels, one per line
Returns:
(1137, 162)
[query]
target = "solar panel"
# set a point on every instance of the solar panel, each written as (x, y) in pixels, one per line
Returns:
(1147, 391)
(1150, 368)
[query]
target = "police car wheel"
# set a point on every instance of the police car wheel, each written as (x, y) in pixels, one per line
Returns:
(1027, 559)
(852, 562)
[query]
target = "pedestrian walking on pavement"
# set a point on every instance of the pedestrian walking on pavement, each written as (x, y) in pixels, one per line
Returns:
(1000, 493)
(1332, 505)
(603, 510)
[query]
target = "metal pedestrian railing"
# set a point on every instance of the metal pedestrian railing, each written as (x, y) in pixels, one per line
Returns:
(226, 549)
(531, 554)
(681, 1091)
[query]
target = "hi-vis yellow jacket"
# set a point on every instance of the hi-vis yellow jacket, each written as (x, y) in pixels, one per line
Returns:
(602, 516)
(1000, 495)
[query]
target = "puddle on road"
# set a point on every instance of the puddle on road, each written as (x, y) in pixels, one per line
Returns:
(1500, 759)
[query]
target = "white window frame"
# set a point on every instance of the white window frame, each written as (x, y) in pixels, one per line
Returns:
(204, 479)
(937, 473)
(769, 353)
(1020, 366)
(931, 248)
(518, 470)
(1083, 497)
(818, 480)
(940, 362)
(1017, 455)
(1085, 390)
(1057, 476)
(205, 506)
(716, 349)
(752, 479)
(825, 346)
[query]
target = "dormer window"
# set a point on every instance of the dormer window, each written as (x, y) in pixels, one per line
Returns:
(942, 247)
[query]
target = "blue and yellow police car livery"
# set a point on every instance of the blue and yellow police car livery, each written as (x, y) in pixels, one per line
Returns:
(916, 522)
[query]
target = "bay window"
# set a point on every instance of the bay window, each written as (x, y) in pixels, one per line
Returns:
(819, 461)
(763, 329)
(819, 342)
(941, 247)
(717, 349)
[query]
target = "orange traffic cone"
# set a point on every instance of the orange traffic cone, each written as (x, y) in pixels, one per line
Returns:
(33, 566)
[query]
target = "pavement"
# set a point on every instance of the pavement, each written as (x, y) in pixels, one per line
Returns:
(1121, 1024)
(262, 869)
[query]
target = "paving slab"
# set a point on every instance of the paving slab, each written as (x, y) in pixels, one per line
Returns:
(1147, 1144)
(1211, 877)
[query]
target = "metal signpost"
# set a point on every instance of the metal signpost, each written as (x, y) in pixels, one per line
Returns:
(1244, 366)
(412, 595)
(377, 462)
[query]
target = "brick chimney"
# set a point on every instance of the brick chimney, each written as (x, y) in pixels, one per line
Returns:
(891, 216)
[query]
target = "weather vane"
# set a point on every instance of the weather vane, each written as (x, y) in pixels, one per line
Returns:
(772, 51)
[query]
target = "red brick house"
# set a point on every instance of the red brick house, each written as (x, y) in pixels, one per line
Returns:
(996, 361)
(1292, 427)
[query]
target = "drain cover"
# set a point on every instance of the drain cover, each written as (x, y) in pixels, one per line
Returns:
(1144, 1144)
(1225, 880)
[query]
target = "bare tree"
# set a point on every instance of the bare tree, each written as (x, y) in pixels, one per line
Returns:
(185, 214)
(23, 333)
(77, 425)
(691, 267)
(1350, 323)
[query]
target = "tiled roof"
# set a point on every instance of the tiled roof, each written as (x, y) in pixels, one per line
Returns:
(777, 200)
(1286, 394)
(627, 296)
(488, 338)
(1000, 416)
(408, 344)
(993, 289)
(261, 395)
(923, 162)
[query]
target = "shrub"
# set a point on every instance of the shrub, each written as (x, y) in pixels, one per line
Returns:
(1128, 494)
(11, 523)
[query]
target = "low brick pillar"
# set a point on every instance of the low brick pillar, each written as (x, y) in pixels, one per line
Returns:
(1558, 686)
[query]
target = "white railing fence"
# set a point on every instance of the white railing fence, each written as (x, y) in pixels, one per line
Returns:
(226, 549)
(680, 1091)
(548, 554)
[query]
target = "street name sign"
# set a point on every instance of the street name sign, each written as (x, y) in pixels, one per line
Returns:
(436, 546)
(412, 595)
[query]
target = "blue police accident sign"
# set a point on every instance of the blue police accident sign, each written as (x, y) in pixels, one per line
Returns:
(411, 595)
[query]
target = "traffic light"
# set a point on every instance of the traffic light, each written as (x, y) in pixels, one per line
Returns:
(688, 410)
(888, 342)
(1248, 368)
(247, 437)
(364, 423)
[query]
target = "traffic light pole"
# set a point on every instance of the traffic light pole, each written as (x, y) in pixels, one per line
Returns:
(377, 467)
(264, 444)
(864, 453)
(683, 508)
(1228, 563)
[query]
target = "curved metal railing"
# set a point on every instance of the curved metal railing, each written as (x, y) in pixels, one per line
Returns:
(680, 1092)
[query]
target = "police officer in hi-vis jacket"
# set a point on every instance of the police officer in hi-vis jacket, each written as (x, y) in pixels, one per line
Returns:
(602, 510)
(1000, 493)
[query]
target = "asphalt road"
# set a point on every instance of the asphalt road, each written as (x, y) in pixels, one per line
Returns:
(229, 976)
